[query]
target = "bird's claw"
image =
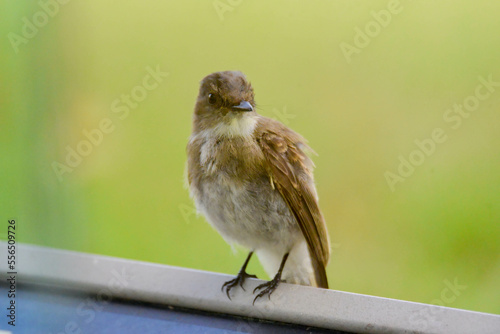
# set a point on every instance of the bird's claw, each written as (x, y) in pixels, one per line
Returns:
(268, 288)
(238, 280)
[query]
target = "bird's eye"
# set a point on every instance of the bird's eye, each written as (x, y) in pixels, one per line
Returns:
(212, 98)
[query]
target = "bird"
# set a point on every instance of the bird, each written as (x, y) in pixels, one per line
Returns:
(252, 178)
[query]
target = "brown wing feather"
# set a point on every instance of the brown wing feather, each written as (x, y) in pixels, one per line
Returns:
(290, 170)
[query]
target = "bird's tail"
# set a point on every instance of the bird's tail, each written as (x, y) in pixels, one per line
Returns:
(319, 273)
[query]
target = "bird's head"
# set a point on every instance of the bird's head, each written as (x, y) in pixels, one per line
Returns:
(225, 105)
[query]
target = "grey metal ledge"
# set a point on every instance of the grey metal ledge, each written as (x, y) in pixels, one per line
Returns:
(329, 309)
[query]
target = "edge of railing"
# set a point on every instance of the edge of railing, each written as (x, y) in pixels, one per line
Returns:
(161, 284)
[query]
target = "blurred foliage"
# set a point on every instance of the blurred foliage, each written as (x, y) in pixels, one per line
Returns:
(127, 197)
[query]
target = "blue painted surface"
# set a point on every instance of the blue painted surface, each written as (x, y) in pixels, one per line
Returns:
(57, 311)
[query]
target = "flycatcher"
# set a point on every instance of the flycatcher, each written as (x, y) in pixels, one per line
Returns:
(249, 175)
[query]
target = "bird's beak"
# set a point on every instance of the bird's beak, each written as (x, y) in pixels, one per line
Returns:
(243, 106)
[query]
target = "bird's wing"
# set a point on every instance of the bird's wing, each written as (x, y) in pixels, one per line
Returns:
(291, 174)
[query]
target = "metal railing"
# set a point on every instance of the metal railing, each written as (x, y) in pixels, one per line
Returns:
(148, 282)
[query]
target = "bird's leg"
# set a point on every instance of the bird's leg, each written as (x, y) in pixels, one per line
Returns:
(270, 286)
(240, 279)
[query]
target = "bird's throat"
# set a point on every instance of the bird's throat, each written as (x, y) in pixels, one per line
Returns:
(243, 126)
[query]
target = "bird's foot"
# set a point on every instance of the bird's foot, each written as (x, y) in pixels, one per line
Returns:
(238, 280)
(268, 287)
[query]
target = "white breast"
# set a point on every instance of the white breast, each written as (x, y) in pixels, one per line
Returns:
(241, 126)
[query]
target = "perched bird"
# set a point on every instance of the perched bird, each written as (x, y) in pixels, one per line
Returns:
(250, 177)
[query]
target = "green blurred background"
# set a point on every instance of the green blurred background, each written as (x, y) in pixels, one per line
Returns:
(127, 197)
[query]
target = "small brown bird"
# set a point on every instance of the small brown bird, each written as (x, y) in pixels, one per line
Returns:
(250, 177)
